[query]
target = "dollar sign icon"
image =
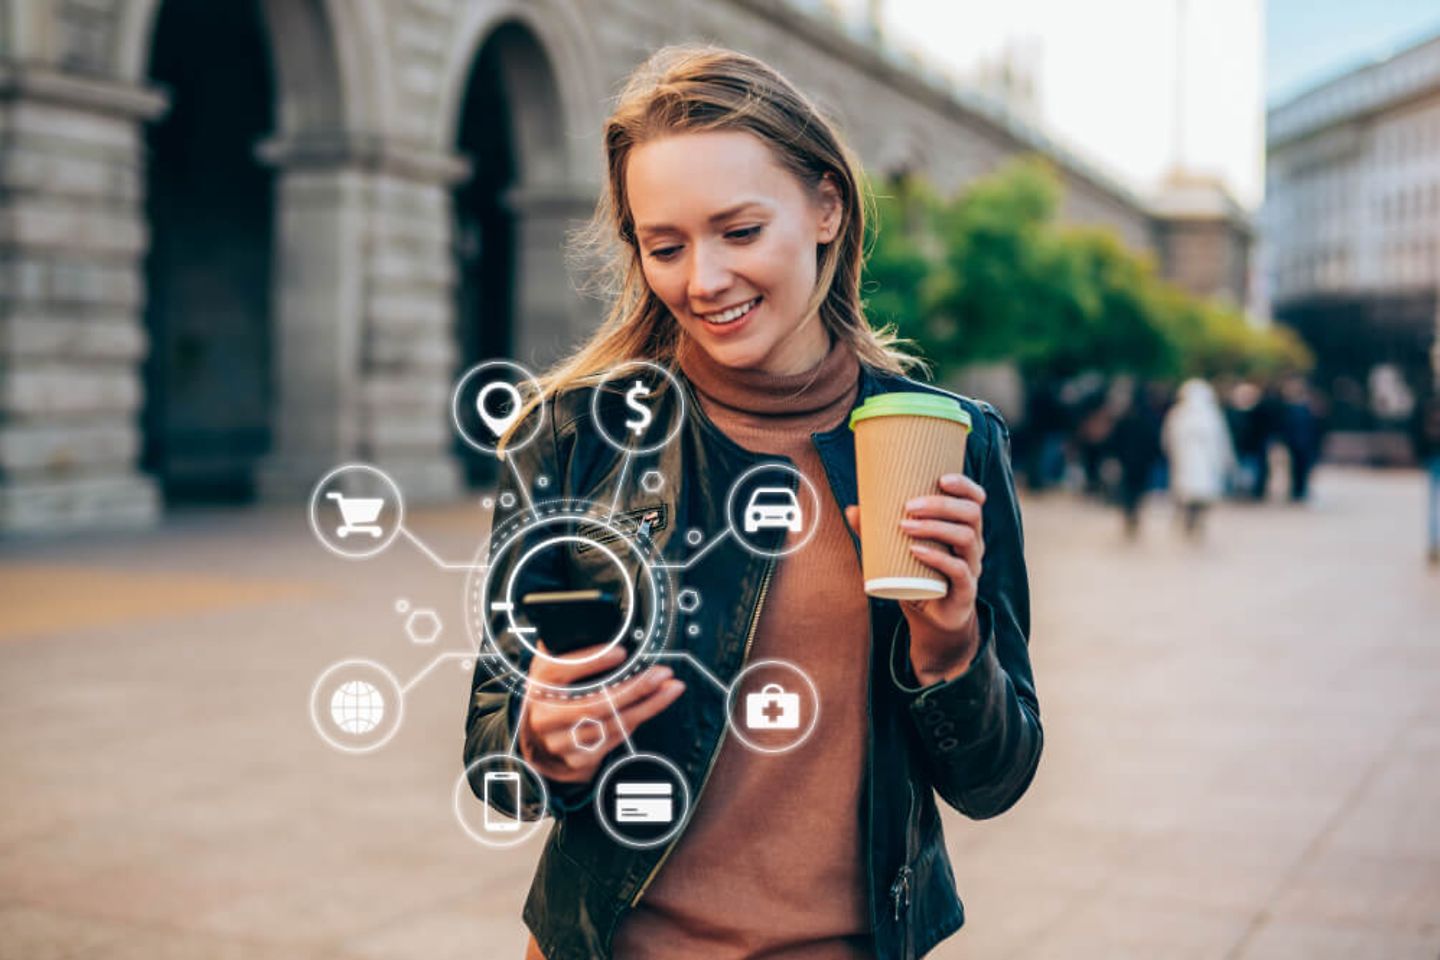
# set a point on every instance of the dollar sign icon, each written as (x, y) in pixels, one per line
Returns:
(633, 402)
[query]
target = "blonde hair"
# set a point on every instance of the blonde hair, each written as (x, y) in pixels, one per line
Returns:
(696, 88)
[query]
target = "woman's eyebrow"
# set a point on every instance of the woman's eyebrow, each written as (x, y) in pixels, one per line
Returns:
(728, 212)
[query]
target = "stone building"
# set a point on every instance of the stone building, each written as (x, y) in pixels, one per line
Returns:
(1352, 220)
(244, 240)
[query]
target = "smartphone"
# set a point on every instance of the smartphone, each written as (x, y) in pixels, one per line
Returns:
(503, 787)
(569, 620)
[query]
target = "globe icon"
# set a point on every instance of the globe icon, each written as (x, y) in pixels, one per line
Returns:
(357, 707)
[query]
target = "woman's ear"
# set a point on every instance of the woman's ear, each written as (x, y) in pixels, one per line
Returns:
(831, 208)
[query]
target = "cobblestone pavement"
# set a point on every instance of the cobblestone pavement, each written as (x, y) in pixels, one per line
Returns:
(1242, 746)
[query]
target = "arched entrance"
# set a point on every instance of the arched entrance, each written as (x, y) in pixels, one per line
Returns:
(209, 204)
(508, 131)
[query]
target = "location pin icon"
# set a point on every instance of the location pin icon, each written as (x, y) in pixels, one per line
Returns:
(498, 425)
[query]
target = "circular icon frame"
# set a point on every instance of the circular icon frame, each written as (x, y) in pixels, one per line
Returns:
(385, 541)
(462, 787)
(680, 817)
(619, 372)
(810, 528)
(464, 381)
(319, 721)
(733, 692)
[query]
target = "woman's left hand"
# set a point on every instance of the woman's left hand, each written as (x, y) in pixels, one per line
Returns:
(944, 632)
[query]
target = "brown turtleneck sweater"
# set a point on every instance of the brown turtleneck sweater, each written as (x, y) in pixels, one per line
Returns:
(771, 862)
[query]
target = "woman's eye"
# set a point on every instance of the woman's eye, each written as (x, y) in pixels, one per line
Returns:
(664, 253)
(744, 233)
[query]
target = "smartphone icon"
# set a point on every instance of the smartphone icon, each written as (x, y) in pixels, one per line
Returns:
(503, 787)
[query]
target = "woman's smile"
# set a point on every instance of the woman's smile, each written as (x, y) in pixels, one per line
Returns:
(724, 323)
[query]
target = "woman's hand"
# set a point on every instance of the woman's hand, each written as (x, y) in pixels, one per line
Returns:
(944, 632)
(546, 741)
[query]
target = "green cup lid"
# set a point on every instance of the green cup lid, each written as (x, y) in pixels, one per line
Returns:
(911, 405)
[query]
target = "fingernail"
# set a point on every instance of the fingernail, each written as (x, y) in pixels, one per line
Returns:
(913, 505)
(662, 674)
(950, 479)
(909, 524)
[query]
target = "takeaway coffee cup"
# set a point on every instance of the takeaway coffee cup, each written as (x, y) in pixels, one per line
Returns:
(904, 443)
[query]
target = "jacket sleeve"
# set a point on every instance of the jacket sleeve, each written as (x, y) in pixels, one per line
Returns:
(980, 732)
(496, 696)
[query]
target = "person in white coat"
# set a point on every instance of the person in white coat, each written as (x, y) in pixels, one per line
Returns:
(1197, 443)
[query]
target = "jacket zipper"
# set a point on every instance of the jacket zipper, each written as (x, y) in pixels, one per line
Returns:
(744, 658)
(901, 888)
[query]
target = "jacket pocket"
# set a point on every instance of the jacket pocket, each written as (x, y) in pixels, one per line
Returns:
(642, 521)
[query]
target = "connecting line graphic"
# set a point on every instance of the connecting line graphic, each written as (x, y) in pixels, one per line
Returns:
(715, 541)
(618, 722)
(519, 724)
(435, 557)
(694, 661)
(619, 485)
(452, 655)
(524, 488)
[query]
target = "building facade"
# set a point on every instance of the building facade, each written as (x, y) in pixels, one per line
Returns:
(1352, 220)
(242, 242)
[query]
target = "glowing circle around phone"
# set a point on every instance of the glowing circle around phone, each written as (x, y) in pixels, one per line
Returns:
(629, 601)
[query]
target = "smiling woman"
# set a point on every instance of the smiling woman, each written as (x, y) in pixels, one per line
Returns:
(733, 220)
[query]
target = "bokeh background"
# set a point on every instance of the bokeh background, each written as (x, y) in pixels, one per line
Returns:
(244, 241)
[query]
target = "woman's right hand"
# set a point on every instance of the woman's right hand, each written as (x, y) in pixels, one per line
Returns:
(546, 741)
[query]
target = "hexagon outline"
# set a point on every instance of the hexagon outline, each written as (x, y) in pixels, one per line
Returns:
(430, 632)
(585, 723)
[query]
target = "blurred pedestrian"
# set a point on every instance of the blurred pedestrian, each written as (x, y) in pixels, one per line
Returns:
(1253, 416)
(1135, 443)
(1427, 450)
(1301, 431)
(1197, 442)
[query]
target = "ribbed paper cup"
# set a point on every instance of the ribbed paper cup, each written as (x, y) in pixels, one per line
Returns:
(904, 444)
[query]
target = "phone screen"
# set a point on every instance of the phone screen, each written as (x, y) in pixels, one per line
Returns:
(502, 787)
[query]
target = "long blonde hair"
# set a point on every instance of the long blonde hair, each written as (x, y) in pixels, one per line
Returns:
(695, 88)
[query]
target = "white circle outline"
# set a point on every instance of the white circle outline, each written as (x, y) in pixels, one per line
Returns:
(320, 725)
(814, 524)
(605, 820)
(383, 544)
(624, 575)
(734, 689)
(460, 387)
(615, 374)
(560, 510)
(463, 784)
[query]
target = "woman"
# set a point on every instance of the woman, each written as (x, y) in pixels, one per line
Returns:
(739, 220)
(1197, 444)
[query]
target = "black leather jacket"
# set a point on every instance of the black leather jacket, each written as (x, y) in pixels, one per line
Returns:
(975, 740)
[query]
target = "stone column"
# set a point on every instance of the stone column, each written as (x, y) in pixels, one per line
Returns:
(549, 313)
(364, 314)
(72, 243)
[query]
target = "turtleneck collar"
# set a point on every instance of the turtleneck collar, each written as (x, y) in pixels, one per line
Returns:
(820, 389)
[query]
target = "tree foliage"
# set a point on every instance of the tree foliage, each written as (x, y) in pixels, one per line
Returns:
(993, 274)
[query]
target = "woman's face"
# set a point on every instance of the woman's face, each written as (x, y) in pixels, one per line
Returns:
(727, 241)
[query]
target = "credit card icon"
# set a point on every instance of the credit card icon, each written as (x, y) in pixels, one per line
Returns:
(637, 802)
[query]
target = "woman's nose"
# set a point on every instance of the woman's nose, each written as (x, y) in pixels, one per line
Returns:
(710, 277)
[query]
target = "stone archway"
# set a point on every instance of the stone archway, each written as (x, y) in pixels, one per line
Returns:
(209, 204)
(508, 133)
(520, 105)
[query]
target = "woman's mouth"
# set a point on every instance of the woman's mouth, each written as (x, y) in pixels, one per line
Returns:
(731, 317)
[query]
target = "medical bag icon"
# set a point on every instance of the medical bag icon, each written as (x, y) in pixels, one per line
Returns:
(772, 708)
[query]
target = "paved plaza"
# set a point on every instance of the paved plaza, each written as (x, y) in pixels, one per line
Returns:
(1242, 745)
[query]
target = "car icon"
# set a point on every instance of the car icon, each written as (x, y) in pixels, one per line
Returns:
(773, 508)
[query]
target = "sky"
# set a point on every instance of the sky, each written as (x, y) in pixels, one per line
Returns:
(1110, 71)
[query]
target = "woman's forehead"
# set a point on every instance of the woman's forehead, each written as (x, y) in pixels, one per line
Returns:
(691, 178)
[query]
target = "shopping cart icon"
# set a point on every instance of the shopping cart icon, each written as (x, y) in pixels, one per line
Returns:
(357, 514)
